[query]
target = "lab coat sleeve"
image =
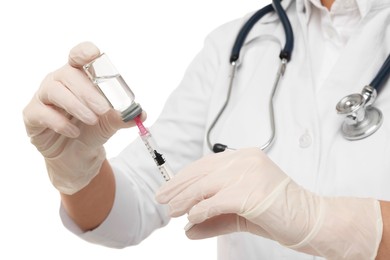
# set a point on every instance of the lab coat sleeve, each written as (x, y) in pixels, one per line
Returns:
(179, 132)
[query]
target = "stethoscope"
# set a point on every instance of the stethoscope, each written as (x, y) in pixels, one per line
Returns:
(361, 118)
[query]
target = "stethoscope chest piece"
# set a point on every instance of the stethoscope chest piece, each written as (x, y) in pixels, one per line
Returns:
(362, 119)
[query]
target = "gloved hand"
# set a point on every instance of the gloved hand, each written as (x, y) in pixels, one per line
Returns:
(244, 190)
(68, 121)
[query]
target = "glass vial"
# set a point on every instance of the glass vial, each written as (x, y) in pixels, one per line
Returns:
(110, 83)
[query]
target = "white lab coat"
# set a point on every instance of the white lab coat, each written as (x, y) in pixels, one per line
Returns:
(308, 146)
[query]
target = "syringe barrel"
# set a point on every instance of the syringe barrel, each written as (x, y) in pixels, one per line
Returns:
(166, 172)
(158, 157)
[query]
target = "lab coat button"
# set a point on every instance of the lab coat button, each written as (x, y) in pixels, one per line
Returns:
(305, 140)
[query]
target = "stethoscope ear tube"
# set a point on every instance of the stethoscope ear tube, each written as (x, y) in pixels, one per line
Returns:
(245, 31)
(289, 45)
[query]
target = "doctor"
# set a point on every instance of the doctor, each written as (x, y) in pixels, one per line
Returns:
(312, 195)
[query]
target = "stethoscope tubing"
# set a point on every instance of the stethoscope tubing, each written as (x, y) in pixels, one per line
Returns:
(240, 40)
(285, 56)
(381, 76)
(360, 129)
(277, 7)
(289, 44)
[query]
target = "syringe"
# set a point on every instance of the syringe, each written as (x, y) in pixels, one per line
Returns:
(153, 149)
(160, 161)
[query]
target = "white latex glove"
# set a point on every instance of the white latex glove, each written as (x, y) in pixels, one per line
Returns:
(68, 121)
(244, 190)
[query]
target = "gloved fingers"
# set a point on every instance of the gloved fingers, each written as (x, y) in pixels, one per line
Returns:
(225, 224)
(82, 54)
(188, 176)
(198, 181)
(216, 226)
(78, 83)
(191, 185)
(56, 95)
(209, 188)
(38, 117)
(189, 197)
(177, 185)
(182, 204)
(223, 202)
(207, 178)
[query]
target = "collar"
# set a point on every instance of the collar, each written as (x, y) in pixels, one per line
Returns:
(304, 9)
(339, 6)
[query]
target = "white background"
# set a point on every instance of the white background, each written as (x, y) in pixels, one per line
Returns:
(151, 42)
